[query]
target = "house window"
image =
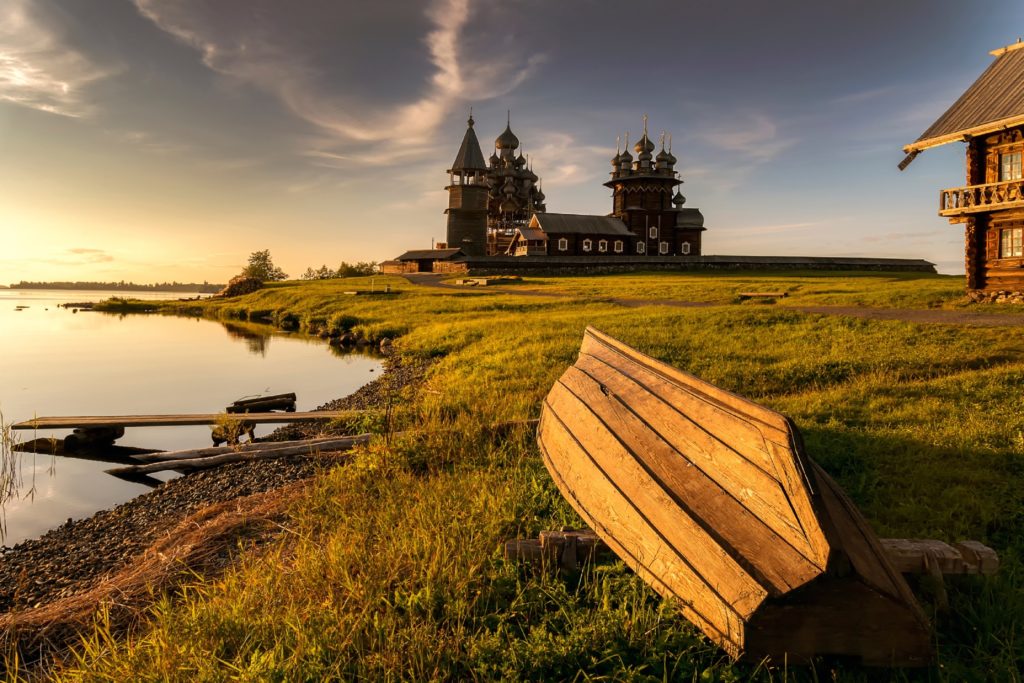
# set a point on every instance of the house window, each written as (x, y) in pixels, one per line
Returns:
(1010, 242)
(1010, 166)
(653, 233)
(587, 245)
(685, 248)
(641, 248)
(618, 246)
(602, 246)
(663, 248)
(563, 244)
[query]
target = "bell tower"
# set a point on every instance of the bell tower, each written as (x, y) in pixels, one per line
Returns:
(467, 197)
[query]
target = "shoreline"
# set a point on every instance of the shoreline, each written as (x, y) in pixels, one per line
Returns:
(76, 556)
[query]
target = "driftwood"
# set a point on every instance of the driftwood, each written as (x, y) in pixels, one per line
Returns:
(568, 549)
(340, 444)
(285, 402)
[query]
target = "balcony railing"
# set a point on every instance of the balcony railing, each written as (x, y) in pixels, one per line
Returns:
(958, 201)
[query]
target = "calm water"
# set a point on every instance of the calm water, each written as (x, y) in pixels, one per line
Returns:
(55, 362)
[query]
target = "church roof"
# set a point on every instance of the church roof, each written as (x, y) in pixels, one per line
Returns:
(424, 254)
(469, 158)
(994, 101)
(571, 223)
(532, 233)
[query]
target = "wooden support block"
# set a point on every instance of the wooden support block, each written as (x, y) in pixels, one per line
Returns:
(915, 556)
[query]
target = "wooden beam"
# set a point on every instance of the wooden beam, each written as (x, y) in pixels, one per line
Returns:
(568, 548)
(180, 420)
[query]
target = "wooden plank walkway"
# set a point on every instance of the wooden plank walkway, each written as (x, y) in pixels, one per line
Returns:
(88, 421)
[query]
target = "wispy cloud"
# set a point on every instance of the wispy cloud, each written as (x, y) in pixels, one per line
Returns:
(256, 52)
(79, 256)
(756, 137)
(37, 69)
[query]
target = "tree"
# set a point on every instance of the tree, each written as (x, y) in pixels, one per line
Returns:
(261, 266)
(356, 269)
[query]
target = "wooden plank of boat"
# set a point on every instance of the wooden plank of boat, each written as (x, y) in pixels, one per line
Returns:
(81, 421)
(711, 499)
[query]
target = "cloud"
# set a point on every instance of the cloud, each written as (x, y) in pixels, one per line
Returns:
(254, 44)
(80, 256)
(37, 69)
(756, 137)
(774, 229)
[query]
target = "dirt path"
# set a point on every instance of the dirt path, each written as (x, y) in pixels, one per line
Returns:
(940, 316)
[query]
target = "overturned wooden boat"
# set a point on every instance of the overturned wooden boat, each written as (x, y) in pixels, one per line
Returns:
(712, 500)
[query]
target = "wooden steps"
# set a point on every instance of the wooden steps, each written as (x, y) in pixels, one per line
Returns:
(712, 500)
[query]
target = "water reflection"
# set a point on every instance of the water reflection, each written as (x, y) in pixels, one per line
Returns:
(255, 339)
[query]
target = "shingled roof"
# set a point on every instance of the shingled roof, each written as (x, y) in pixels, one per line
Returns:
(571, 223)
(469, 158)
(995, 101)
(429, 254)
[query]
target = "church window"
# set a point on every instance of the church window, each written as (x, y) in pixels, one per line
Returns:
(653, 233)
(641, 248)
(686, 248)
(563, 244)
(663, 247)
(1011, 243)
(618, 246)
(602, 246)
(1010, 166)
(588, 245)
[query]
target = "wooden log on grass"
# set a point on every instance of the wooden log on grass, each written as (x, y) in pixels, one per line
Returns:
(341, 444)
(221, 450)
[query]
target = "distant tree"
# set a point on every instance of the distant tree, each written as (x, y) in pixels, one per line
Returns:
(261, 266)
(356, 269)
(310, 274)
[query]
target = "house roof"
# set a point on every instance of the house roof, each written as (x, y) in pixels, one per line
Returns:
(571, 223)
(993, 102)
(424, 254)
(532, 233)
(469, 158)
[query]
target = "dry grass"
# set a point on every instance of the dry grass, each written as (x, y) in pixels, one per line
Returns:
(202, 542)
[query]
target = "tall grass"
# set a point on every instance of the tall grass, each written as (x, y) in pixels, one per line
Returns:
(390, 568)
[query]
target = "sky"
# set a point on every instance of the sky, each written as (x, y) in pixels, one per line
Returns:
(154, 140)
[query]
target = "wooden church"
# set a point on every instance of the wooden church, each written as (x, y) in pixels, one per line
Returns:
(989, 117)
(496, 206)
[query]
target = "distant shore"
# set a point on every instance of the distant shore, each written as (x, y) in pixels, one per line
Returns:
(193, 287)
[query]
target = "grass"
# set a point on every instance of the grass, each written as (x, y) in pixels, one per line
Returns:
(390, 568)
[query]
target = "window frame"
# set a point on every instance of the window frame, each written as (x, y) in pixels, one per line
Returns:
(602, 246)
(684, 248)
(619, 246)
(1015, 168)
(663, 248)
(588, 244)
(1011, 243)
(563, 244)
(641, 247)
(652, 232)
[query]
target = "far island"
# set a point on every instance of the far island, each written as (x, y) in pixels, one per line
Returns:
(122, 286)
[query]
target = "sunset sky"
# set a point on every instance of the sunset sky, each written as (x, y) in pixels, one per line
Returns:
(167, 139)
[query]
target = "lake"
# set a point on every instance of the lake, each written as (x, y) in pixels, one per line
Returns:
(56, 362)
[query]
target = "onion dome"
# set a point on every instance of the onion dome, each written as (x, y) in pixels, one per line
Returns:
(643, 145)
(507, 140)
(625, 157)
(494, 160)
(662, 158)
(520, 160)
(539, 197)
(678, 199)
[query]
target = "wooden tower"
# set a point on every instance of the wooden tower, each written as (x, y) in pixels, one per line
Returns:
(467, 197)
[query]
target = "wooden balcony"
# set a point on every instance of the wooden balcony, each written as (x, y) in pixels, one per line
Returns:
(960, 201)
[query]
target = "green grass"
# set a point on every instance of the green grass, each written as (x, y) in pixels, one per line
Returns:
(390, 568)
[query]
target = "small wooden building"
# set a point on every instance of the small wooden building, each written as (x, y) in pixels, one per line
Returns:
(421, 261)
(989, 117)
(569, 234)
